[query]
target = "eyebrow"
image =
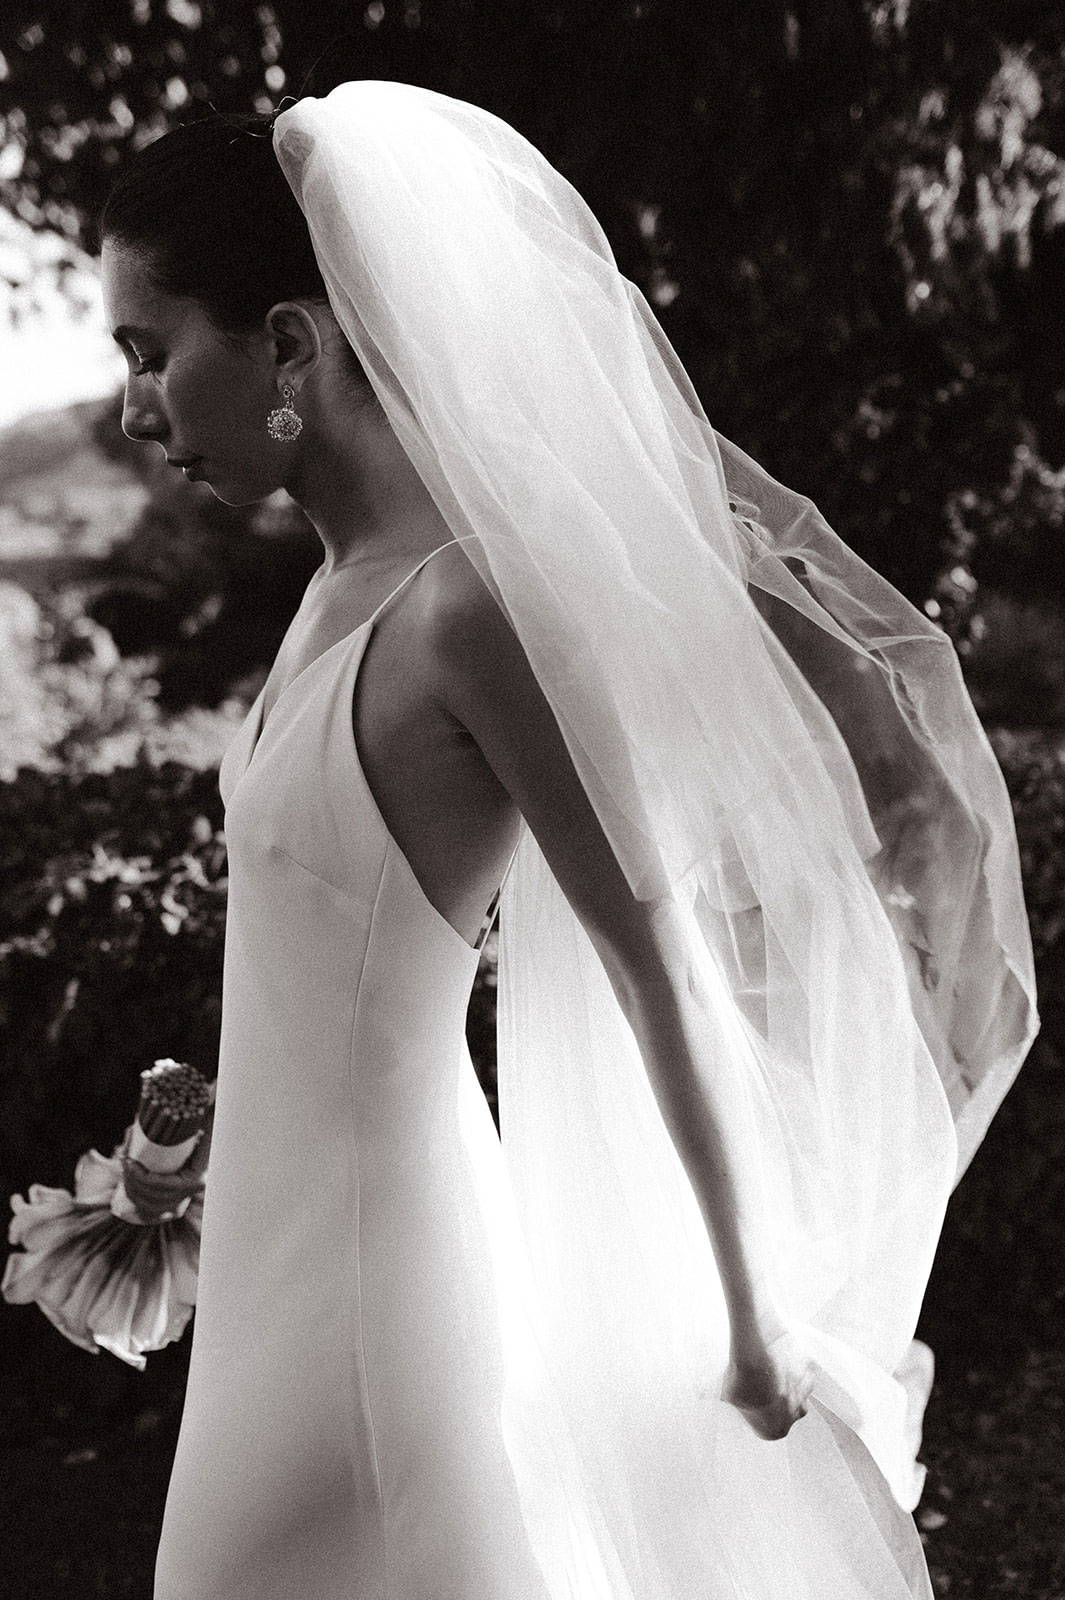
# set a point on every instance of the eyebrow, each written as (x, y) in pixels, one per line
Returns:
(127, 331)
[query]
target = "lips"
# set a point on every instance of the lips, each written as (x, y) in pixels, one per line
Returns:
(182, 461)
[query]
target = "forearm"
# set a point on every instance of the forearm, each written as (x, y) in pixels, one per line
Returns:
(701, 1098)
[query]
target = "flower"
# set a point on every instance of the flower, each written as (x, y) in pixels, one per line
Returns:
(104, 1283)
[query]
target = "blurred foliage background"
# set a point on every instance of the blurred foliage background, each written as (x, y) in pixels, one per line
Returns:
(849, 216)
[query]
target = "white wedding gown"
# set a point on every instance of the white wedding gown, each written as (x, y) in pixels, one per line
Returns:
(367, 1415)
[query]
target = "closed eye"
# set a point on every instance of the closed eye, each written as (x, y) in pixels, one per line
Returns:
(141, 364)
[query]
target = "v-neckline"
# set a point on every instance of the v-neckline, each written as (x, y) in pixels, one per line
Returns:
(263, 718)
(262, 721)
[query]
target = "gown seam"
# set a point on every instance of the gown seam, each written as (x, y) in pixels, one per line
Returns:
(358, 1228)
(342, 890)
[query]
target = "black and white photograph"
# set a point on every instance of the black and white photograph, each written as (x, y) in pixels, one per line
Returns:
(532, 800)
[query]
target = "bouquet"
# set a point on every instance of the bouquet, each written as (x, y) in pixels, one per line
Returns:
(104, 1275)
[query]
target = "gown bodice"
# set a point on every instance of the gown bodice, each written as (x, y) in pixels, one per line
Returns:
(374, 1408)
(341, 1424)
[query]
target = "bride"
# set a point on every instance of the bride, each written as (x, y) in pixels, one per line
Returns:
(764, 972)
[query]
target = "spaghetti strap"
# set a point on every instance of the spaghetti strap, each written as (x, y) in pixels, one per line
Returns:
(493, 909)
(258, 720)
(412, 573)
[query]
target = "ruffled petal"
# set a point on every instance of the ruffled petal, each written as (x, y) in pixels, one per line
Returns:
(100, 1281)
(96, 1177)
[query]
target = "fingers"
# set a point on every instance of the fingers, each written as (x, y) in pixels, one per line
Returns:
(156, 1195)
(777, 1430)
(149, 1211)
(161, 1183)
(774, 1422)
(772, 1396)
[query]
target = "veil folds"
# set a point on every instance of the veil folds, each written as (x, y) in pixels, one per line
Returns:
(774, 740)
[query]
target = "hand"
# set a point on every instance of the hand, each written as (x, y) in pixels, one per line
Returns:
(769, 1381)
(157, 1195)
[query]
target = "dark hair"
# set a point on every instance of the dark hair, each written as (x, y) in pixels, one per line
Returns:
(213, 214)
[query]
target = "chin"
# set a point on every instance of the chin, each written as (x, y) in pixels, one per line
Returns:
(234, 493)
(231, 497)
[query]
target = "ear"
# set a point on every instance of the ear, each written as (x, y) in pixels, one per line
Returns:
(295, 342)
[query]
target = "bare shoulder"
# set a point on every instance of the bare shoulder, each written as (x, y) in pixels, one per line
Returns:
(459, 603)
(472, 652)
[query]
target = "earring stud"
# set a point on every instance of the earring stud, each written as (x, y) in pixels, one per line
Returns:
(285, 423)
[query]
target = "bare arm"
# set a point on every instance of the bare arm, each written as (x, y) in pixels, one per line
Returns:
(674, 1023)
(485, 681)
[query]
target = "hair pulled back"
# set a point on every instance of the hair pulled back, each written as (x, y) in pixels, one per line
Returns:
(210, 209)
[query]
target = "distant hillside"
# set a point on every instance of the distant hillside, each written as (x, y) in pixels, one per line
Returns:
(42, 440)
(63, 505)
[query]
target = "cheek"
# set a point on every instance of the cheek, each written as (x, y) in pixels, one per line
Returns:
(218, 399)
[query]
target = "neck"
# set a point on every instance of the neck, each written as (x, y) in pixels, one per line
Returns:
(360, 490)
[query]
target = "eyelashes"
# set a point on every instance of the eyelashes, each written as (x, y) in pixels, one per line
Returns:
(142, 364)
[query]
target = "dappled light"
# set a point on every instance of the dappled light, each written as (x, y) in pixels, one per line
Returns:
(850, 221)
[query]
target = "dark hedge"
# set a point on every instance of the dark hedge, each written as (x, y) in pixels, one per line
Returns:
(112, 916)
(112, 911)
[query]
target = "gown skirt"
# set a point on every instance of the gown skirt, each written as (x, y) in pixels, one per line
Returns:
(348, 1431)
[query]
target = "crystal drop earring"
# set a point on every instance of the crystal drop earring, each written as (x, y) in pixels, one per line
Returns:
(285, 423)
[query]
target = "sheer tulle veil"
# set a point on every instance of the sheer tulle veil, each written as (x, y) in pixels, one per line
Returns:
(776, 741)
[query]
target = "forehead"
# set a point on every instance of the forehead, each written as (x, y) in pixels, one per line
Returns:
(132, 302)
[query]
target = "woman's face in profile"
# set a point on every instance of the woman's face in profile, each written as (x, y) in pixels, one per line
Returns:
(188, 389)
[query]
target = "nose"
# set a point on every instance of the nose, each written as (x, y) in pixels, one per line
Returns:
(140, 421)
